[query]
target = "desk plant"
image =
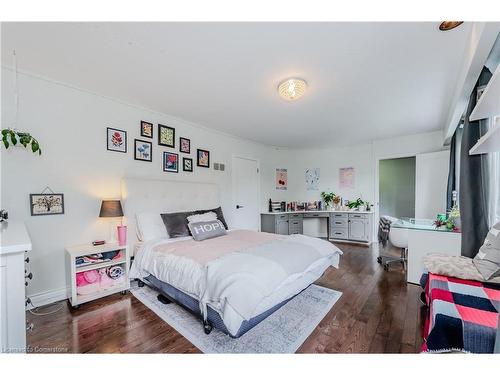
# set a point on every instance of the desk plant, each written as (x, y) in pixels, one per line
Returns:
(330, 198)
(356, 204)
(11, 137)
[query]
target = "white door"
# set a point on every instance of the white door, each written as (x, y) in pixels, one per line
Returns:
(431, 182)
(246, 192)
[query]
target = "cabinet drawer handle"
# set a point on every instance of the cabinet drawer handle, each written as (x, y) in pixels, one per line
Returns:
(295, 222)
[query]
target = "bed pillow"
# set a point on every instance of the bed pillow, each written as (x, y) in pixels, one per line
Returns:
(218, 212)
(207, 229)
(176, 223)
(207, 216)
(487, 260)
(150, 226)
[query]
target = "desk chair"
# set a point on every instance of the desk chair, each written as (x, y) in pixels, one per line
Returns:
(398, 237)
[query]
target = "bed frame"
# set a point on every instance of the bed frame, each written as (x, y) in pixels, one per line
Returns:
(168, 294)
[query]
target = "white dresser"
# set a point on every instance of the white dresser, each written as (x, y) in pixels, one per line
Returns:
(14, 243)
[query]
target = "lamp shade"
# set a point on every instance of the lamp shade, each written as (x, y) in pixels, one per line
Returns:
(111, 208)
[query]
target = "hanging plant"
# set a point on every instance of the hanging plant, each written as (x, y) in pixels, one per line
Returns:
(12, 137)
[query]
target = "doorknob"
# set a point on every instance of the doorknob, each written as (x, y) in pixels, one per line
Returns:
(238, 206)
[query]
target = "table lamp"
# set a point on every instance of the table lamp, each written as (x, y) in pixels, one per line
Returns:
(113, 208)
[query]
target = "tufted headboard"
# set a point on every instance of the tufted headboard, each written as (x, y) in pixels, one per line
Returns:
(148, 195)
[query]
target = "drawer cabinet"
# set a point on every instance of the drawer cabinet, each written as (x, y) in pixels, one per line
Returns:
(275, 223)
(351, 226)
(295, 224)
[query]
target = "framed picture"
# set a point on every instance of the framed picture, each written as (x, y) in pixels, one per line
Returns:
(47, 204)
(166, 136)
(187, 164)
(143, 150)
(146, 129)
(185, 145)
(203, 158)
(116, 140)
(170, 162)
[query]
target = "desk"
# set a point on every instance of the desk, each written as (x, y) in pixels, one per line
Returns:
(342, 226)
(424, 238)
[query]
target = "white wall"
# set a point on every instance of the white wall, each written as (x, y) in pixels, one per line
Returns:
(364, 159)
(71, 127)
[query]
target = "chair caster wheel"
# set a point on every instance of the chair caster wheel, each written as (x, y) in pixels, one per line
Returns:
(207, 328)
(386, 267)
(379, 260)
(140, 283)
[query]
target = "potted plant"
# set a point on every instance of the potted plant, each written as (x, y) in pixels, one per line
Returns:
(11, 137)
(327, 198)
(355, 205)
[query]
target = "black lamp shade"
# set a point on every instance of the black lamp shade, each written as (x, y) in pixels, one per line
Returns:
(111, 209)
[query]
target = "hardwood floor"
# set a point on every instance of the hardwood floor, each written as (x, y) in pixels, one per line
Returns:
(377, 313)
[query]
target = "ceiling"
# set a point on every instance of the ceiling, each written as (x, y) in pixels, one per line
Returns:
(366, 81)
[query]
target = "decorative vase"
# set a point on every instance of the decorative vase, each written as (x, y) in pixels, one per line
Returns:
(122, 235)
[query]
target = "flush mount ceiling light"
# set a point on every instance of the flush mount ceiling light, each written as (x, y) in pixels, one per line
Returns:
(449, 25)
(292, 89)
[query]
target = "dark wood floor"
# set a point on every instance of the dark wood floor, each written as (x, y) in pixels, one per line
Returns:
(377, 313)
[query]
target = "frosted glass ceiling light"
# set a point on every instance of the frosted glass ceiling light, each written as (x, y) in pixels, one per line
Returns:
(292, 88)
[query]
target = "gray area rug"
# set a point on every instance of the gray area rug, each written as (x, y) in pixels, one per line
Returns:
(282, 332)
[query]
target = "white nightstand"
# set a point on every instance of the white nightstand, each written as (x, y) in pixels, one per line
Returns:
(73, 252)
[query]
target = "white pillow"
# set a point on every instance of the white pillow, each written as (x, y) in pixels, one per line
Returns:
(207, 216)
(150, 226)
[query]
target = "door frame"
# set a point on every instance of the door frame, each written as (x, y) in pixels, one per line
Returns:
(233, 190)
(377, 187)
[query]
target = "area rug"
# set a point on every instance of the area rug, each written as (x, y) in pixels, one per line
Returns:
(282, 332)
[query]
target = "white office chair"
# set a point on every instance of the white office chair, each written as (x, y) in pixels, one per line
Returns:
(399, 238)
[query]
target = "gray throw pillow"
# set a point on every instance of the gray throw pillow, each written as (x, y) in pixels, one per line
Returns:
(487, 260)
(207, 229)
(176, 223)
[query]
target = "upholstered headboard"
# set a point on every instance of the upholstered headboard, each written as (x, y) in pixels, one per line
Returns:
(145, 195)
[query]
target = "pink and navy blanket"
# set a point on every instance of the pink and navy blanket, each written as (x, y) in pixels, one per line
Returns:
(463, 315)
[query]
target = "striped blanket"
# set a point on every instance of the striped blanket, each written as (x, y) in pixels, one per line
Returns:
(463, 315)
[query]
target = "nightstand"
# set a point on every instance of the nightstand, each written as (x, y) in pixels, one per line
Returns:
(102, 284)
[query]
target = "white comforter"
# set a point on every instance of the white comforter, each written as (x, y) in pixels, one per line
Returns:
(239, 275)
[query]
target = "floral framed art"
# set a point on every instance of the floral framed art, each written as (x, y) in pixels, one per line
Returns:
(166, 136)
(170, 162)
(187, 164)
(203, 158)
(146, 129)
(184, 145)
(116, 140)
(143, 150)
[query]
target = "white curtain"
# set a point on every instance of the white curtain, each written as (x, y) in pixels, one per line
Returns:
(494, 187)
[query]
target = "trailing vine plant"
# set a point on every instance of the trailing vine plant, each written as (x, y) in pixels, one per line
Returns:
(12, 137)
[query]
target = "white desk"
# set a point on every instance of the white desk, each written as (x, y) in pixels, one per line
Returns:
(423, 239)
(14, 242)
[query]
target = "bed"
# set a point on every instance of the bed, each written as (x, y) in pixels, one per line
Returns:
(231, 282)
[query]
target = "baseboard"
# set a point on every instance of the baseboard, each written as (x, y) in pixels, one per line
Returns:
(47, 297)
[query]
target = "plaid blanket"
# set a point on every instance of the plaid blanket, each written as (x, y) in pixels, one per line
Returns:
(463, 315)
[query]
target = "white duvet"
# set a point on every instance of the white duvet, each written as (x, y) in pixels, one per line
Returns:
(239, 275)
